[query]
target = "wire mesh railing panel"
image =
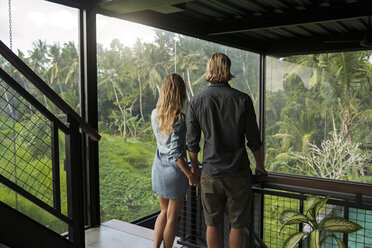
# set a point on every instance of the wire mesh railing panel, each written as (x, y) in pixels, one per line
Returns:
(362, 238)
(273, 207)
(25, 145)
(192, 228)
(256, 209)
(275, 203)
(329, 211)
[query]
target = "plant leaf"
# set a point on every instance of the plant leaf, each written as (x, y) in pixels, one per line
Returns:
(339, 242)
(293, 240)
(324, 238)
(289, 215)
(337, 224)
(314, 239)
(320, 204)
(311, 215)
(311, 201)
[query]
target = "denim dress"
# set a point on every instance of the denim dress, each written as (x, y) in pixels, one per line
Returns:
(168, 180)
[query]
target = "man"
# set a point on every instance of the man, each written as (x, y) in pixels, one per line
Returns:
(226, 117)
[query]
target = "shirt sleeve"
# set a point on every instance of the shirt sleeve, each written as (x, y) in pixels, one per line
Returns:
(193, 130)
(177, 142)
(252, 133)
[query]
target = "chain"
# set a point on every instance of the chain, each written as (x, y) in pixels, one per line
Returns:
(10, 25)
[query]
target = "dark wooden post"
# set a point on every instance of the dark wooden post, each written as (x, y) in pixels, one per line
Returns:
(261, 102)
(89, 111)
(55, 168)
(74, 183)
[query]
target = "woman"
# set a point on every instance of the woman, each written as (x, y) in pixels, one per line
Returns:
(170, 171)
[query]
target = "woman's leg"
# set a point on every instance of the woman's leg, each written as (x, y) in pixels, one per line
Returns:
(174, 209)
(161, 222)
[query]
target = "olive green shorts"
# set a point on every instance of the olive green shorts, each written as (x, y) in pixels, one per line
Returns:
(231, 191)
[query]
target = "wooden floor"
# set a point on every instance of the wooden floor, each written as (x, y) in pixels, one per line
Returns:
(119, 234)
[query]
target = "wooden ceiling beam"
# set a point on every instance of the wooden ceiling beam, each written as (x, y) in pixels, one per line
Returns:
(173, 23)
(310, 15)
(169, 22)
(318, 44)
(71, 3)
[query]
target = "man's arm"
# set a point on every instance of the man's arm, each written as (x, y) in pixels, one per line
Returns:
(252, 134)
(195, 164)
(192, 139)
(260, 168)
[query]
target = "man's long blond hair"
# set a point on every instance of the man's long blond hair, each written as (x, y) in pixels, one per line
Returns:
(171, 102)
(218, 68)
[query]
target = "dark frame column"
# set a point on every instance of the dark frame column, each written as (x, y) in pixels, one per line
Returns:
(261, 101)
(89, 111)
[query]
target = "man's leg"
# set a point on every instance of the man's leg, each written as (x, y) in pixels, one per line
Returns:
(214, 239)
(239, 195)
(213, 200)
(236, 239)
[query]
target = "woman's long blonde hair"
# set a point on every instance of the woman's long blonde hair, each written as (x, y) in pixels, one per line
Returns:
(171, 102)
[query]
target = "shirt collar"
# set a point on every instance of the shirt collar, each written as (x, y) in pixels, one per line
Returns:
(219, 84)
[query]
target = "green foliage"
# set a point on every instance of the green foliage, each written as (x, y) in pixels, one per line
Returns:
(330, 224)
(310, 96)
(336, 158)
(293, 240)
(32, 173)
(289, 217)
(125, 178)
(314, 239)
(336, 224)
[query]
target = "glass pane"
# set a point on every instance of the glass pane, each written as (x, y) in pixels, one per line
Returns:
(45, 36)
(318, 115)
(132, 61)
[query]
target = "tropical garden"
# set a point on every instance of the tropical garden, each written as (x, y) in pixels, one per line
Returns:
(318, 111)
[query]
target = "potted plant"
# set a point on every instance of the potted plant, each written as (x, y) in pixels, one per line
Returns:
(329, 224)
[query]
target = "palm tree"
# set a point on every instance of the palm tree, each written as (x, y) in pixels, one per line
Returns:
(154, 65)
(54, 69)
(39, 61)
(348, 76)
(70, 74)
(113, 71)
(138, 52)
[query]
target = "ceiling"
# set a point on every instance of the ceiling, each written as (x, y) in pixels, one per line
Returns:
(272, 27)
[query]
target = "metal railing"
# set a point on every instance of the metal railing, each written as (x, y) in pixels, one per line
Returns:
(276, 193)
(30, 147)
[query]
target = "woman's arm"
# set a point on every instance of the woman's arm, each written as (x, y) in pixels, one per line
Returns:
(186, 169)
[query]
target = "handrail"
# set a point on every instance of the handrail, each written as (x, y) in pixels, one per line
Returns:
(44, 88)
(14, 84)
(34, 199)
(316, 183)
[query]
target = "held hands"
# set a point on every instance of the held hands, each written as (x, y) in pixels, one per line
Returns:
(196, 170)
(194, 177)
(193, 181)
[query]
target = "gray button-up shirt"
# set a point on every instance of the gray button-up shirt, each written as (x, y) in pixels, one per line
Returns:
(226, 117)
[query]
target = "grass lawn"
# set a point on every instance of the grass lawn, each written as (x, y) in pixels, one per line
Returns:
(125, 178)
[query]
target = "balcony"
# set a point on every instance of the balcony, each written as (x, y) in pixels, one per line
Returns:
(306, 67)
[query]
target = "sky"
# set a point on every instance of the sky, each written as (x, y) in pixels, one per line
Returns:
(40, 19)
